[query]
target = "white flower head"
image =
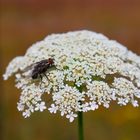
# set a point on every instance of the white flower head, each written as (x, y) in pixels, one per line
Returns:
(71, 116)
(90, 70)
(26, 113)
(53, 108)
(40, 106)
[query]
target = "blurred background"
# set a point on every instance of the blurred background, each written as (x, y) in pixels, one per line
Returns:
(23, 22)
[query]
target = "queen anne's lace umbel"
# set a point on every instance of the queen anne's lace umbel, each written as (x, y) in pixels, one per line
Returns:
(91, 70)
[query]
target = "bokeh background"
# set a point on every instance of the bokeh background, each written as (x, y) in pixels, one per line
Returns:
(24, 22)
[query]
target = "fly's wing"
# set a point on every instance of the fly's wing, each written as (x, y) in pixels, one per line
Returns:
(28, 70)
(30, 67)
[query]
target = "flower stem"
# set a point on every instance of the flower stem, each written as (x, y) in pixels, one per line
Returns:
(80, 125)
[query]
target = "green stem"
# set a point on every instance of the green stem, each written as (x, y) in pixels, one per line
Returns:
(80, 125)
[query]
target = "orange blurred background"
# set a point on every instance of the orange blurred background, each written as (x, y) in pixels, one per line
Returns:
(23, 22)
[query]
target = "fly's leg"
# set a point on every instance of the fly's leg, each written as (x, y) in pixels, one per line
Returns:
(47, 77)
(41, 81)
(41, 77)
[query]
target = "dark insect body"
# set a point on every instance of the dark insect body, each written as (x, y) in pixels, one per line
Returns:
(41, 68)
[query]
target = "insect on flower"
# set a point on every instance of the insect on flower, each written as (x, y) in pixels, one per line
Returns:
(40, 68)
